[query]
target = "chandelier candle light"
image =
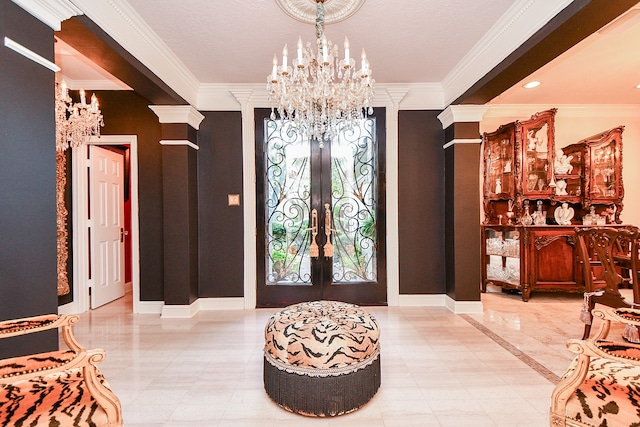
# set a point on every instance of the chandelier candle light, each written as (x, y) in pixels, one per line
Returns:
(309, 94)
(75, 122)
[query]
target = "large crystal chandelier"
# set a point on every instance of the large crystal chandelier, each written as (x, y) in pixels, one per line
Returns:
(321, 92)
(75, 122)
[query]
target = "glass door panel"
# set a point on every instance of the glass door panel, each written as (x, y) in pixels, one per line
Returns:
(320, 215)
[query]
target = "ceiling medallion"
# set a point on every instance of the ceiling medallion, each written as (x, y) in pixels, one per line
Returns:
(305, 10)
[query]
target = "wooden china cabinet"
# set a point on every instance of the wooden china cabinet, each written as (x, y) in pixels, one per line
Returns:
(597, 179)
(527, 245)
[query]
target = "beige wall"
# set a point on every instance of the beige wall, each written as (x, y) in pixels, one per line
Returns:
(574, 123)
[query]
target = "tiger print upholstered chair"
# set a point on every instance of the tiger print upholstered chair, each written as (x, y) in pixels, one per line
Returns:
(322, 358)
(57, 388)
(601, 387)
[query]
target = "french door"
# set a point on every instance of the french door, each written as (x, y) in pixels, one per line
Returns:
(320, 215)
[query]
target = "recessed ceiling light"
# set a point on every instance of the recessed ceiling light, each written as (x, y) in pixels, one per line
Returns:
(531, 84)
(638, 86)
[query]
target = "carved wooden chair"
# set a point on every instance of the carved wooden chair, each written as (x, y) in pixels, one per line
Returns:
(601, 387)
(56, 388)
(598, 248)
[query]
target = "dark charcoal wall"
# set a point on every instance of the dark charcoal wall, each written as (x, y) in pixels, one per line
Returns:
(421, 202)
(221, 226)
(127, 113)
(180, 193)
(462, 222)
(27, 179)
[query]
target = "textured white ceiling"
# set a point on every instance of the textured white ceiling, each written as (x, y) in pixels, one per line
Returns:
(407, 41)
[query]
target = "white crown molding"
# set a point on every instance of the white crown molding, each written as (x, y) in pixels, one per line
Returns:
(461, 113)
(564, 110)
(220, 96)
(118, 19)
(28, 53)
(51, 12)
(178, 114)
(179, 142)
(515, 27)
(419, 96)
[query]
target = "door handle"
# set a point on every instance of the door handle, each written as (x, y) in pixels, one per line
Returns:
(313, 248)
(328, 247)
(123, 233)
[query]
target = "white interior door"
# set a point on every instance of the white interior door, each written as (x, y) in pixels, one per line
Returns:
(106, 222)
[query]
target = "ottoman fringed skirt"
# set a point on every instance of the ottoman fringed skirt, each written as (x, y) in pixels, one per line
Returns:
(315, 393)
(322, 358)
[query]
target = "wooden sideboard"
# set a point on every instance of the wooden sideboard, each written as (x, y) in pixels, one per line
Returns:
(531, 258)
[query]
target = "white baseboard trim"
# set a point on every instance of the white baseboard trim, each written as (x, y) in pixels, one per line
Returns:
(179, 311)
(149, 307)
(441, 300)
(201, 304)
(232, 303)
(421, 300)
(69, 308)
(464, 307)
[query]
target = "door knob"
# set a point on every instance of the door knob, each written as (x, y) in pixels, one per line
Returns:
(123, 233)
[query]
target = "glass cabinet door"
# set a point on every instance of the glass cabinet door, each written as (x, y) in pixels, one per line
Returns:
(499, 163)
(603, 170)
(604, 180)
(536, 143)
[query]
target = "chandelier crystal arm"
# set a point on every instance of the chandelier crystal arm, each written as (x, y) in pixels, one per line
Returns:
(75, 123)
(321, 93)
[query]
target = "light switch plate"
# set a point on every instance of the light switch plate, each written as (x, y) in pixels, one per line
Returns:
(234, 199)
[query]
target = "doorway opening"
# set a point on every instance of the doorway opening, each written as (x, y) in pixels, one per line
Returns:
(81, 238)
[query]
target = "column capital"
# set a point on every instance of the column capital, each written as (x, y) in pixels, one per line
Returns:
(178, 114)
(242, 96)
(462, 113)
(396, 94)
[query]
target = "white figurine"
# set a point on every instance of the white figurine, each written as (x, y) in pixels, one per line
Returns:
(562, 164)
(561, 187)
(507, 166)
(498, 186)
(563, 214)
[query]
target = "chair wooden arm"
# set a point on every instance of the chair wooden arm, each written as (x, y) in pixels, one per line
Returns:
(630, 316)
(591, 354)
(30, 325)
(52, 373)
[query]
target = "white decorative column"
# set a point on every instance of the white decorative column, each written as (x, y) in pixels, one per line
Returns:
(249, 192)
(393, 252)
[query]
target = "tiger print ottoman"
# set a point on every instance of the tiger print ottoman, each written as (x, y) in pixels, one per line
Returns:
(321, 358)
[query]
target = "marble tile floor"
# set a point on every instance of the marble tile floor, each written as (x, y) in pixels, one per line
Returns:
(438, 368)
